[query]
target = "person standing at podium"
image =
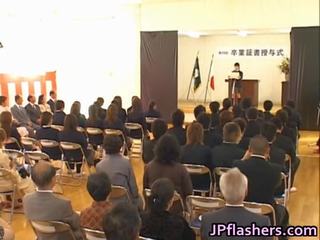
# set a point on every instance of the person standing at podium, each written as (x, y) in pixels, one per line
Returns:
(236, 96)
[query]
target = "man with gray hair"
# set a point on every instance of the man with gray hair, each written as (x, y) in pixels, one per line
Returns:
(233, 185)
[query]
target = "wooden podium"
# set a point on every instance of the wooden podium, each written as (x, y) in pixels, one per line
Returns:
(250, 88)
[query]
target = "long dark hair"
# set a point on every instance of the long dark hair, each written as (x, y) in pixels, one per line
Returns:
(162, 191)
(70, 123)
(6, 122)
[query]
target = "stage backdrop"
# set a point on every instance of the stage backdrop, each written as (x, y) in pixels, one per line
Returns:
(159, 52)
(304, 73)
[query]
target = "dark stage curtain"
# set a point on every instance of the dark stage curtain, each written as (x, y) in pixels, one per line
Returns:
(159, 59)
(304, 73)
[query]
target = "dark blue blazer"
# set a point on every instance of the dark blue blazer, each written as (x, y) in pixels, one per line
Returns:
(46, 132)
(74, 137)
(179, 133)
(58, 118)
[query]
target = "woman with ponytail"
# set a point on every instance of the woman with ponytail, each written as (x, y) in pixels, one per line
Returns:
(158, 222)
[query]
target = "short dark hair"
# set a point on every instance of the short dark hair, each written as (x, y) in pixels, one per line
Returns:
(214, 106)
(277, 122)
(42, 174)
(70, 123)
(17, 97)
(268, 130)
(198, 109)
(204, 119)
(241, 122)
(112, 143)
(267, 105)
(51, 92)
(225, 117)
(167, 150)
(178, 118)
(283, 116)
(226, 103)
(252, 113)
(29, 98)
(122, 222)
(231, 132)
(162, 191)
(99, 186)
(291, 104)
(259, 145)
(158, 128)
(237, 64)
(46, 118)
(59, 105)
(246, 103)
(2, 99)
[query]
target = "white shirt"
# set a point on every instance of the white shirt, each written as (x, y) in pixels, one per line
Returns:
(44, 191)
(234, 205)
(4, 109)
(258, 156)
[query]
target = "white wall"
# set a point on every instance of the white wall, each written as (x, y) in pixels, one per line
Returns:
(263, 68)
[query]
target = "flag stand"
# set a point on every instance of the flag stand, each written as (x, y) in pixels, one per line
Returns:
(191, 78)
(209, 74)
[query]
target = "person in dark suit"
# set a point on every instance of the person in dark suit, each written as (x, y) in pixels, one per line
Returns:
(33, 110)
(288, 130)
(43, 205)
(211, 137)
(52, 101)
(244, 142)
(11, 130)
(198, 109)
(263, 177)
(158, 128)
(95, 122)
(295, 117)
(49, 133)
(70, 134)
(214, 108)
(136, 115)
(157, 221)
(122, 111)
(59, 114)
(152, 110)
(233, 185)
(195, 152)
(245, 104)
(112, 120)
(267, 105)
(226, 105)
(76, 110)
(97, 105)
(178, 131)
(226, 153)
(253, 128)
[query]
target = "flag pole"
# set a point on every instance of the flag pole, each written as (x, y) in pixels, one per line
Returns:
(209, 74)
(192, 76)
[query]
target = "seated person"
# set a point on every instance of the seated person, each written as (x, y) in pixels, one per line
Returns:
(72, 135)
(253, 128)
(122, 112)
(6, 231)
(263, 177)
(198, 109)
(59, 114)
(214, 108)
(11, 131)
(118, 167)
(99, 188)
(152, 110)
(44, 107)
(244, 142)
(295, 116)
(48, 133)
(288, 130)
(226, 105)
(166, 164)
(76, 110)
(43, 205)
(33, 110)
(233, 185)
(97, 105)
(158, 222)
(159, 128)
(94, 121)
(112, 120)
(195, 152)
(178, 131)
(224, 117)
(267, 106)
(211, 137)
(136, 115)
(225, 154)
(122, 222)
(246, 103)
(52, 101)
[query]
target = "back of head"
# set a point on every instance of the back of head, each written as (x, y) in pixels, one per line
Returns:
(46, 118)
(225, 117)
(241, 122)
(59, 105)
(162, 192)
(268, 130)
(226, 103)
(198, 109)
(214, 107)
(75, 108)
(178, 118)
(112, 144)
(231, 132)
(167, 150)
(118, 99)
(195, 133)
(70, 123)
(267, 105)
(136, 105)
(99, 186)
(246, 103)
(112, 113)
(233, 185)
(6, 122)
(122, 222)
(283, 116)
(204, 119)
(42, 174)
(158, 128)
(259, 145)
(252, 113)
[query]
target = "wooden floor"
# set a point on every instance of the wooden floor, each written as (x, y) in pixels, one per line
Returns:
(303, 205)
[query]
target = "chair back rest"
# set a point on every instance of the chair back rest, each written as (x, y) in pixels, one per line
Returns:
(81, 129)
(150, 119)
(118, 192)
(12, 140)
(220, 170)
(194, 169)
(262, 209)
(57, 127)
(144, 238)
(14, 155)
(46, 143)
(35, 156)
(94, 131)
(133, 126)
(113, 132)
(69, 146)
(94, 234)
(29, 142)
(52, 228)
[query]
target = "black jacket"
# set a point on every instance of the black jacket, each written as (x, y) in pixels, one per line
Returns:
(225, 154)
(58, 118)
(179, 133)
(46, 132)
(252, 129)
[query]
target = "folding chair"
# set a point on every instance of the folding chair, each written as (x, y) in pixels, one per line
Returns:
(197, 171)
(29, 143)
(57, 127)
(12, 143)
(51, 147)
(144, 238)
(283, 199)
(15, 155)
(288, 162)
(218, 171)
(198, 205)
(8, 187)
(52, 228)
(119, 193)
(149, 121)
(81, 129)
(136, 148)
(95, 136)
(262, 209)
(94, 234)
(120, 134)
